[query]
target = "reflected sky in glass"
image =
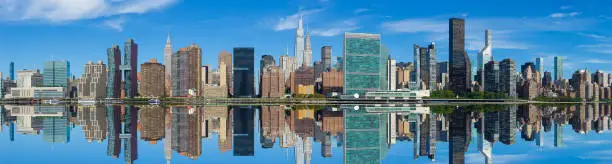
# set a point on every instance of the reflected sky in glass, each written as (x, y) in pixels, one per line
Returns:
(306, 134)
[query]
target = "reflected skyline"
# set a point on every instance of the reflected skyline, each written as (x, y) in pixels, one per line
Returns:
(305, 134)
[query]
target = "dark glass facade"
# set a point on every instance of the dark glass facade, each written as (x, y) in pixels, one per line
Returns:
(113, 88)
(244, 72)
(460, 72)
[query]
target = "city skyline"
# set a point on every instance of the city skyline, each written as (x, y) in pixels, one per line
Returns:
(574, 31)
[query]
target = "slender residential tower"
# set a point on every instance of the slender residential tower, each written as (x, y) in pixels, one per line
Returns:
(168, 64)
(299, 43)
(130, 68)
(484, 56)
(113, 88)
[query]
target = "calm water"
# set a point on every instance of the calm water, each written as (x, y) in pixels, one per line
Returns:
(306, 134)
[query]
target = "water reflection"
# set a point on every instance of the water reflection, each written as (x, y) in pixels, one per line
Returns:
(339, 134)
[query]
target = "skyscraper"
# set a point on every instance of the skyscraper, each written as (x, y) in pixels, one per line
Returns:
(244, 72)
(266, 60)
(12, 71)
(226, 58)
(558, 68)
(307, 52)
(152, 81)
(130, 68)
(426, 66)
(299, 44)
(507, 79)
(326, 54)
(186, 70)
(491, 76)
(113, 88)
(272, 82)
(485, 55)
(93, 81)
(56, 73)
(460, 73)
(244, 130)
(391, 74)
(287, 63)
(539, 65)
(362, 60)
(168, 63)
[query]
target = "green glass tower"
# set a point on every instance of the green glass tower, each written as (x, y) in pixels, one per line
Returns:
(56, 73)
(365, 135)
(363, 63)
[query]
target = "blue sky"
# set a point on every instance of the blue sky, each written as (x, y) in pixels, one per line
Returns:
(33, 31)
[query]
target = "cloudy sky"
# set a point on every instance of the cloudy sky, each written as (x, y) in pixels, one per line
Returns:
(33, 31)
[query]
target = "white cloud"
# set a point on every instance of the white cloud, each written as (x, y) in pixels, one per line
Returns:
(597, 48)
(291, 21)
(566, 7)
(361, 10)
(116, 24)
(71, 10)
(563, 15)
(337, 28)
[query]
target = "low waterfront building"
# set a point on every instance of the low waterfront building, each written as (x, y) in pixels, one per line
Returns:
(38, 92)
(304, 89)
(333, 81)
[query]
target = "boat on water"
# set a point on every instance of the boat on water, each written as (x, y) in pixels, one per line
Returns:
(87, 101)
(154, 101)
(52, 102)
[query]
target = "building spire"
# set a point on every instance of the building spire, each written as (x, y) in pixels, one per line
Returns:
(168, 40)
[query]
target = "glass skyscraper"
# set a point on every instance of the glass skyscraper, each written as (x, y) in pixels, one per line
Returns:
(558, 68)
(460, 66)
(363, 63)
(130, 68)
(56, 73)
(12, 71)
(113, 88)
(244, 72)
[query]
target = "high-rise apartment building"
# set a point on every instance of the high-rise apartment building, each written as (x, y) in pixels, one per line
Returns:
(287, 64)
(332, 82)
(304, 77)
(362, 60)
(186, 71)
(226, 58)
(460, 73)
(299, 44)
(485, 55)
(326, 55)
(152, 81)
(507, 81)
(130, 68)
(558, 67)
(491, 76)
(168, 63)
(319, 68)
(113, 88)
(93, 81)
(272, 82)
(56, 73)
(244, 72)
